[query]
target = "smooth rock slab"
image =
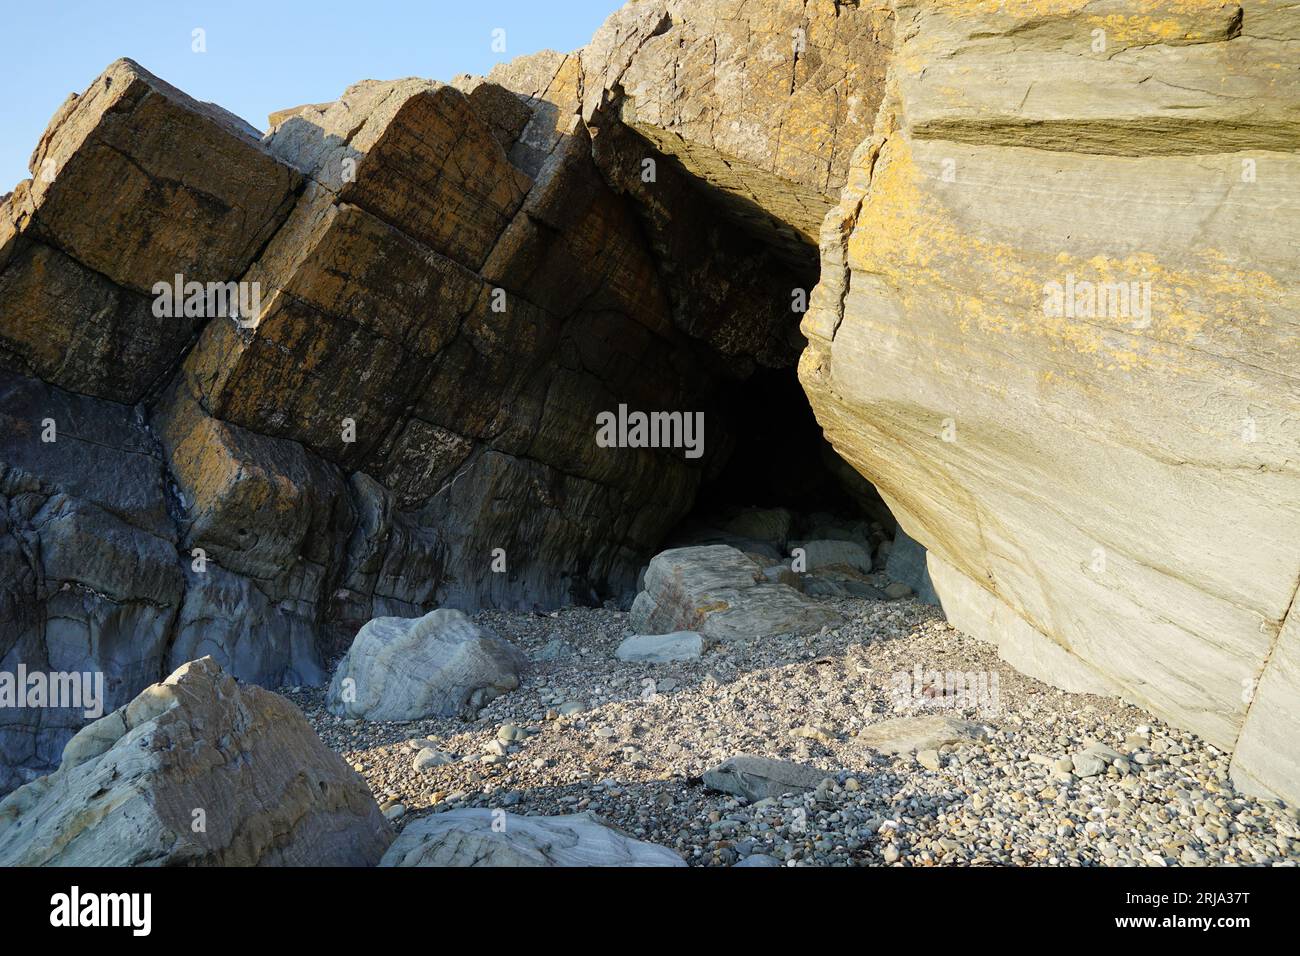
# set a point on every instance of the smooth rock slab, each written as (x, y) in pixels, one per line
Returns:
(908, 734)
(131, 784)
(661, 648)
(757, 778)
(469, 838)
(721, 594)
(440, 665)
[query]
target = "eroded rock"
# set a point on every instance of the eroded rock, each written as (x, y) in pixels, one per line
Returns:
(440, 665)
(758, 778)
(482, 837)
(197, 770)
(909, 734)
(721, 594)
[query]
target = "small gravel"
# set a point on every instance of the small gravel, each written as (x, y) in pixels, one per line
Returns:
(1062, 780)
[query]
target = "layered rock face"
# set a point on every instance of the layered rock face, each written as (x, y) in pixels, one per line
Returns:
(1056, 327)
(259, 390)
(1053, 250)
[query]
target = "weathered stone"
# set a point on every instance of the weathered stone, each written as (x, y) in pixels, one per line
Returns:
(718, 592)
(764, 102)
(1084, 470)
(906, 565)
(415, 154)
(907, 734)
(89, 575)
(197, 747)
(661, 648)
(757, 778)
(475, 837)
(131, 153)
(73, 327)
(440, 665)
(84, 242)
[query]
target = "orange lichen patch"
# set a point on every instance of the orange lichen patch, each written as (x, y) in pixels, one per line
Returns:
(906, 235)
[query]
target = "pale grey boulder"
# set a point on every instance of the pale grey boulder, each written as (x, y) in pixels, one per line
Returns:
(439, 665)
(910, 734)
(197, 770)
(721, 594)
(757, 778)
(661, 648)
(484, 837)
(759, 860)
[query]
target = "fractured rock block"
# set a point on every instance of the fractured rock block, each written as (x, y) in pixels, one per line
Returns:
(353, 312)
(721, 594)
(133, 184)
(131, 787)
(256, 505)
(76, 329)
(415, 154)
(137, 181)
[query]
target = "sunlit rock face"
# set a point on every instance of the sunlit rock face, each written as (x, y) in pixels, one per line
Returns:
(1042, 251)
(350, 368)
(1056, 328)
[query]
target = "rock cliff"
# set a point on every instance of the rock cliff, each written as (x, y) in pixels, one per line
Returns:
(1048, 252)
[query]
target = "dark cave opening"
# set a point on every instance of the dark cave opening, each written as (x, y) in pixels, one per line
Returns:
(780, 461)
(780, 456)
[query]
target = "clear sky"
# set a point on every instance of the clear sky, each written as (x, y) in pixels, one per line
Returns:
(261, 56)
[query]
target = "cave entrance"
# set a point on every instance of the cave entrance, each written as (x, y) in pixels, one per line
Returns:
(784, 485)
(736, 247)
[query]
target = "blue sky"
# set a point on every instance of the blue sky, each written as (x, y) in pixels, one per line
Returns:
(261, 56)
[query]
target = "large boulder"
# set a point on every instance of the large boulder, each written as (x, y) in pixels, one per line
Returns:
(482, 837)
(440, 665)
(1055, 329)
(720, 593)
(197, 770)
